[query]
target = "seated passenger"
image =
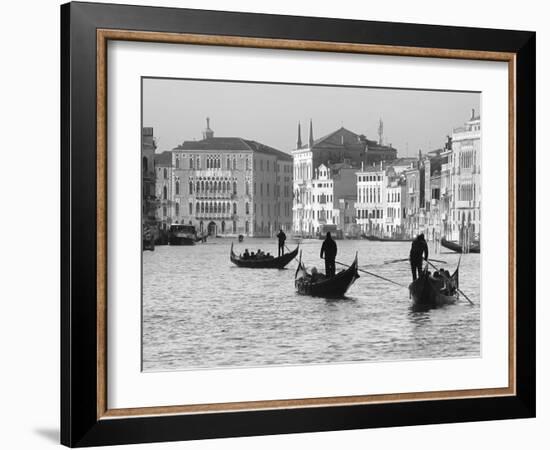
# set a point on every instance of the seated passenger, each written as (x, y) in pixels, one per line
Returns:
(246, 255)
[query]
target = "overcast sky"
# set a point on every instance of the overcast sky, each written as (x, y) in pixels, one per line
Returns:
(269, 113)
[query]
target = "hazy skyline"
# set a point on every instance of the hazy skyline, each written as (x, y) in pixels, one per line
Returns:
(269, 113)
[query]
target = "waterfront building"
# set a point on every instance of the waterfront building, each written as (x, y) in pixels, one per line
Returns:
(395, 206)
(148, 205)
(465, 172)
(163, 189)
(341, 149)
(371, 199)
(414, 198)
(231, 186)
(323, 208)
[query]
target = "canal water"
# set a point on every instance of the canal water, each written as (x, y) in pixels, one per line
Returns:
(201, 311)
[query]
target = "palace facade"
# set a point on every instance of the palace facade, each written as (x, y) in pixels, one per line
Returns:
(231, 186)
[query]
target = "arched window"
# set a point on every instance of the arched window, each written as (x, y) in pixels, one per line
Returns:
(197, 208)
(228, 163)
(234, 208)
(247, 208)
(164, 193)
(177, 209)
(144, 164)
(202, 207)
(177, 163)
(235, 187)
(223, 226)
(191, 162)
(202, 185)
(177, 187)
(165, 173)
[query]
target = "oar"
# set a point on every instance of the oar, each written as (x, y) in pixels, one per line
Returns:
(406, 259)
(373, 274)
(465, 296)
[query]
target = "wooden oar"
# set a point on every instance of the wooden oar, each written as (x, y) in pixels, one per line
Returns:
(406, 259)
(465, 296)
(373, 274)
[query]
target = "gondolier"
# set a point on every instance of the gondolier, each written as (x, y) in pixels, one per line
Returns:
(419, 248)
(329, 251)
(282, 238)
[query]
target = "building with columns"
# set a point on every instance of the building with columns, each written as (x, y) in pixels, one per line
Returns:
(371, 199)
(465, 177)
(231, 186)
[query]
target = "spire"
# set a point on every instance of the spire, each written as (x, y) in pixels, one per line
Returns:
(207, 133)
(310, 133)
(299, 142)
(380, 132)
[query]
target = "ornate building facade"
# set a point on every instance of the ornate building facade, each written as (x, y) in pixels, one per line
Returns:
(465, 174)
(231, 185)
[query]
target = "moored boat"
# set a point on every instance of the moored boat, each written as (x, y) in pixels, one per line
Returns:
(263, 263)
(457, 247)
(386, 239)
(333, 287)
(434, 292)
(180, 234)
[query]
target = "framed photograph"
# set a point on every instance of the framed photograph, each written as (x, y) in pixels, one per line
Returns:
(276, 224)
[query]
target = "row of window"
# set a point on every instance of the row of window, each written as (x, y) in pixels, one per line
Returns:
(467, 192)
(394, 197)
(369, 194)
(369, 178)
(467, 159)
(370, 214)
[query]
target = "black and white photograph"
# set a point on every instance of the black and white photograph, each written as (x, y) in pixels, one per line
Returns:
(290, 224)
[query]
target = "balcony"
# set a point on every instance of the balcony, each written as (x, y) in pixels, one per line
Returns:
(215, 195)
(215, 216)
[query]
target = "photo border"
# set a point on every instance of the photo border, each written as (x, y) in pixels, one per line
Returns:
(86, 29)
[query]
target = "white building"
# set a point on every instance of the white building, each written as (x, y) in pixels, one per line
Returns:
(395, 207)
(371, 199)
(465, 208)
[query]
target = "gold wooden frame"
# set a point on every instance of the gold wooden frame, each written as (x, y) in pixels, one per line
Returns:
(104, 35)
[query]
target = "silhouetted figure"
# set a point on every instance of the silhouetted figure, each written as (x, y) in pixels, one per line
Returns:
(282, 238)
(329, 250)
(419, 247)
(246, 255)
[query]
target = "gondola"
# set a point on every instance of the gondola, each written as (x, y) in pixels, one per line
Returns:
(263, 263)
(334, 287)
(428, 291)
(456, 247)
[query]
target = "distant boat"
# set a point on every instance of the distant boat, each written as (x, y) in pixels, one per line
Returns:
(241, 238)
(180, 234)
(385, 239)
(456, 247)
(430, 292)
(263, 263)
(334, 287)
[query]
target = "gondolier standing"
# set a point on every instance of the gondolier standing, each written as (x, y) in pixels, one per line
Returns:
(329, 250)
(419, 247)
(282, 238)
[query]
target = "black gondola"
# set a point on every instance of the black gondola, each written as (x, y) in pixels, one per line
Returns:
(434, 292)
(456, 247)
(263, 263)
(334, 287)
